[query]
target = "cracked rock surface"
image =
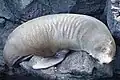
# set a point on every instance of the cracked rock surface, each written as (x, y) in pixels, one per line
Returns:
(76, 66)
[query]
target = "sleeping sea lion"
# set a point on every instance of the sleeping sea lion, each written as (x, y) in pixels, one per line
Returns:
(45, 36)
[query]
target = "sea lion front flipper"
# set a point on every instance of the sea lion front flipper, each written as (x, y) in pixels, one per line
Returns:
(42, 63)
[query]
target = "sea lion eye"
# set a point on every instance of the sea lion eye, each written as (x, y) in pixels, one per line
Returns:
(98, 48)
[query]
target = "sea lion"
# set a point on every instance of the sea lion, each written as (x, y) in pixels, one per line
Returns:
(46, 35)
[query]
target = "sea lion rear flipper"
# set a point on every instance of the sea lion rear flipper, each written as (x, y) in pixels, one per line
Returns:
(42, 63)
(22, 59)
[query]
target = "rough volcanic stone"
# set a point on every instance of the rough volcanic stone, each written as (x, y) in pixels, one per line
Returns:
(93, 8)
(117, 61)
(113, 13)
(61, 5)
(4, 11)
(77, 65)
(2, 22)
(24, 3)
(1, 59)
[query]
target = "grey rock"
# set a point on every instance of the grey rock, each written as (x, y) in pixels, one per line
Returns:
(117, 61)
(22, 10)
(18, 4)
(16, 7)
(61, 6)
(2, 63)
(113, 21)
(2, 22)
(43, 7)
(77, 65)
(24, 3)
(113, 13)
(4, 11)
(93, 8)
(32, 11)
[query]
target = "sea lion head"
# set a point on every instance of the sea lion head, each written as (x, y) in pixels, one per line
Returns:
(105, 51)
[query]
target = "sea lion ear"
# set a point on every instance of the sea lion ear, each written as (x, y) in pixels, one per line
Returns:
(42, 63)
